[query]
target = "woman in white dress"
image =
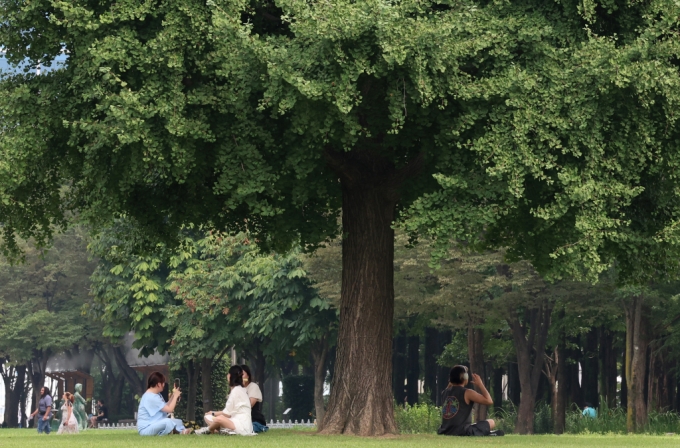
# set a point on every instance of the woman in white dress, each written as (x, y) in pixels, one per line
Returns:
(69, 424)
(236, 414)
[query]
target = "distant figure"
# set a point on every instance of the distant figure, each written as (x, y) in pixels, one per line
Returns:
(152, 416)
(255, 396)
(44, 411)
(589, 411)
(236, 414)
(69, 424)
(457, 406)
(79, 407)
(102, 414)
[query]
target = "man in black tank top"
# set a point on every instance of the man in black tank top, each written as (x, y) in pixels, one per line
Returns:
(457, 403)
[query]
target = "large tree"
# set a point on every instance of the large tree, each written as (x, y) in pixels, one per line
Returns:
(277, 115)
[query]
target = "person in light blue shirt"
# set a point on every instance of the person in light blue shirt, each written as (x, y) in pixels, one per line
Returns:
(152, 416)
(589, 411)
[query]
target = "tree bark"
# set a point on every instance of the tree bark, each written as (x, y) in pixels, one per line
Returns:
(636, 360)
(497, 390)
(319, 355)
(530, 338)
(136, 384)
(514, 392)
(430, 362)
(608, 360)
(370, 191)
(476, 357)
(14, 379)
(413, 373)
(206, 384)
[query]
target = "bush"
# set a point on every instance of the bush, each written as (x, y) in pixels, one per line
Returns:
(417, 419)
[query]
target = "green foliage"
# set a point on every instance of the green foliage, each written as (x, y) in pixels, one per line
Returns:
(298, 395)
(421, 418)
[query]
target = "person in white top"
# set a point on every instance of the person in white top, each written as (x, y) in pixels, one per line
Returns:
(255, 396)
(236, 413)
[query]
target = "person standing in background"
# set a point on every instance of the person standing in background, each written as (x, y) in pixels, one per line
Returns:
(44, 411)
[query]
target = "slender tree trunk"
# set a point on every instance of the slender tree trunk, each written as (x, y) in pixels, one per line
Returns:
(591, 372)
(370, 191)
(608, 360)
(624, 383)
(14, 380)
(514, 392)
(400, 364)
(206, 384)
(445, 338)
(636, 357)
(413, 373)
(319, 354)
(530, 338)
(498, 389)
(476, 357)
(192, 378)
(430, 364)
(136, 384)
(561, 395)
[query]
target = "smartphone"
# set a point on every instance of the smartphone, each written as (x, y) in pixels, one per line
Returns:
(176, 386)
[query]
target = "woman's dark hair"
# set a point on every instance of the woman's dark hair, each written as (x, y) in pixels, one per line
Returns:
(47, 392)
(457, 374)
(155, 379)
(247, 370)
(235, 376)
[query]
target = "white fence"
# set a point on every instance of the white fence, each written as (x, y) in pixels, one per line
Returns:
(272, 425)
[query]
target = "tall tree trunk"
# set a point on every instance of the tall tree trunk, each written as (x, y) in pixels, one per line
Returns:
(514, 388)
(561, 395)
(14, 379)
(636, 360)
(370, 191)
(476, 357)
(608, 360)
(319, 354)
(430, 362)
(413, 373)
(591, 366)
(400, 366)
(192, 379)
(131, 376)
(624, 383)
(206, 384)
(498, 389)
(529, 338)
(445, 338)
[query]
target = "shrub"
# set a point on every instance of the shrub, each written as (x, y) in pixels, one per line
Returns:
(417, 419)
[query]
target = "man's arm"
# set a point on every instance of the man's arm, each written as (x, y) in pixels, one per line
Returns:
(483, 397)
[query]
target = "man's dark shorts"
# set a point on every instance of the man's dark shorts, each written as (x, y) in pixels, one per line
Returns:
(479, 429)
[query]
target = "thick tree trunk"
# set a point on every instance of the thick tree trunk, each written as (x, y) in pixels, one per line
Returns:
(192, 379)
(14, 381)
(430, 362)
(476, 357)
(370, 191)
(413, 373)
(529, 338)
(206, 384)
(399, 366)
(319, 354)
(636, 360)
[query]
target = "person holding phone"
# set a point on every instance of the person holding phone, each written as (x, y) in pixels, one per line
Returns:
(457, 403)
(152, 416)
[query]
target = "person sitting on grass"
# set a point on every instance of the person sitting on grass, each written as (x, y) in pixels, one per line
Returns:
(255, 396)
(152, 416)
(457, 403)
(589, 411)
(236, 415)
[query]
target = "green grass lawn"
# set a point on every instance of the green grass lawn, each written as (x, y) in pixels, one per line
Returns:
(28, 438)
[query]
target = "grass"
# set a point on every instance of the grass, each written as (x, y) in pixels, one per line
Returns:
(28, 438)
